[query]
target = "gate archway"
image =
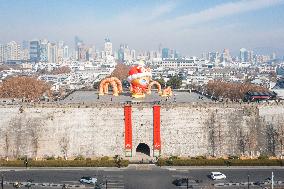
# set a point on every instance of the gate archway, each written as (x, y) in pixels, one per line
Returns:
(143, 149)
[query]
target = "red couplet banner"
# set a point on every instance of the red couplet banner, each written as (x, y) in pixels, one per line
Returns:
(128, 126)
(157, 130)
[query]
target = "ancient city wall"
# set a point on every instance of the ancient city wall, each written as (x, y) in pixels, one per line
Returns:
(98, 130)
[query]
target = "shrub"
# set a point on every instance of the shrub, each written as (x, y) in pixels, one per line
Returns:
(199, 157)
(22, 158)
(219, 162)
(50, 158)
(233, 157)
(80, 157)
(263, 157)
(105, 158)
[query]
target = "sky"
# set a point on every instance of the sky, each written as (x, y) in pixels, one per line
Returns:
(189, 26)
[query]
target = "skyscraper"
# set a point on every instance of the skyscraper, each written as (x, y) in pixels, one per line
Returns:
(82, 53)
(44, 50)
(12, 51)
(213, 57)
(165, 53)
(52, 53)
(108, 47)
(226, 57)
(25, 51)
(34, 51)
(244, 55)
(65, 52)
(2, 50)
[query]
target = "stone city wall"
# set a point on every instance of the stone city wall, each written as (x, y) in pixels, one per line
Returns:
(186, 130)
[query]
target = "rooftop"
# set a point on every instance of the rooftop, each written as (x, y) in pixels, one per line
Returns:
(93, 97)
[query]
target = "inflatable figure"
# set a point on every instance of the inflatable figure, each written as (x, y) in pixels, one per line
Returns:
(158, 86)
(114, 82)
(139, 79)
(167, 92)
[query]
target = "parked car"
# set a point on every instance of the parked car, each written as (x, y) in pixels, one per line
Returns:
(217, 175)
(88, 180)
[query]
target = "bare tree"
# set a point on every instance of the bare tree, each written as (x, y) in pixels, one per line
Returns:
(271, 135)
(34, 126)
(64, 144)
(212, 135)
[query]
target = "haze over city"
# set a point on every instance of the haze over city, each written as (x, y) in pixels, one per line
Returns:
(191, 27)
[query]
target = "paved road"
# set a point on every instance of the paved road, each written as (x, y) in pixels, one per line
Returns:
(140, 177)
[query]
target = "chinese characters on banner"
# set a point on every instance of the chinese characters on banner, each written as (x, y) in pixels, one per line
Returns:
(128, 127)
(157, 133)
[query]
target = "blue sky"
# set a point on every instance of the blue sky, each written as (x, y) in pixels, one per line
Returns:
(190, 26)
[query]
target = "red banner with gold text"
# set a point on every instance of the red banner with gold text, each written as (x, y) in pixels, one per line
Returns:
(157, 122)
(128, 126)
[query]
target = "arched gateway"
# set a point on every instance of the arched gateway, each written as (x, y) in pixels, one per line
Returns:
(143, 149)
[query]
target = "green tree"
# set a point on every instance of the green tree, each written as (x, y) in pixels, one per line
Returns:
(96, 85)
(175, 82)
(162, 82)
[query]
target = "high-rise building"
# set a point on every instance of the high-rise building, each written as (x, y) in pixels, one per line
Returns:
(120, 54)
(226, 57)
(2, 50)
(34, 51)
(44, 50)
(204, 56)
(273, 56)
(52, 53)
(108, 47)
(133, 54)
(165, 53)
(60, 51)
(78, 42)
(25, 51)
(213, 57)
(82, 52)
(12, 51)
(244, 55)
(65, 52)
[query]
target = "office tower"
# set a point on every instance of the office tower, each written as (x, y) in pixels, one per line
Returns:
(12, 51)
(108, 47)
(82, 53)
(244, 55)
(133, 54)
(2, 50)
(44, 50)
(34, 51)
(25, 51)
(226, 57)
(213, 57)
(273, 56)
(120, 54)
(127, 54)
(52, 53)
(165, 53)
(65, 52)
(78, 42)
(204, 56)
(60, 51)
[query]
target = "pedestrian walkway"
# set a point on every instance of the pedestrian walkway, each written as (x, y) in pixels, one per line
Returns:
(114, 182)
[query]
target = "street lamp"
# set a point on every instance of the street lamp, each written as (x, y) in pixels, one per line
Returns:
(2, 181)
(186, 183)
(248, 181)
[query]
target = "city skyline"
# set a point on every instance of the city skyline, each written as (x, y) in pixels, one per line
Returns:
(188, 26)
